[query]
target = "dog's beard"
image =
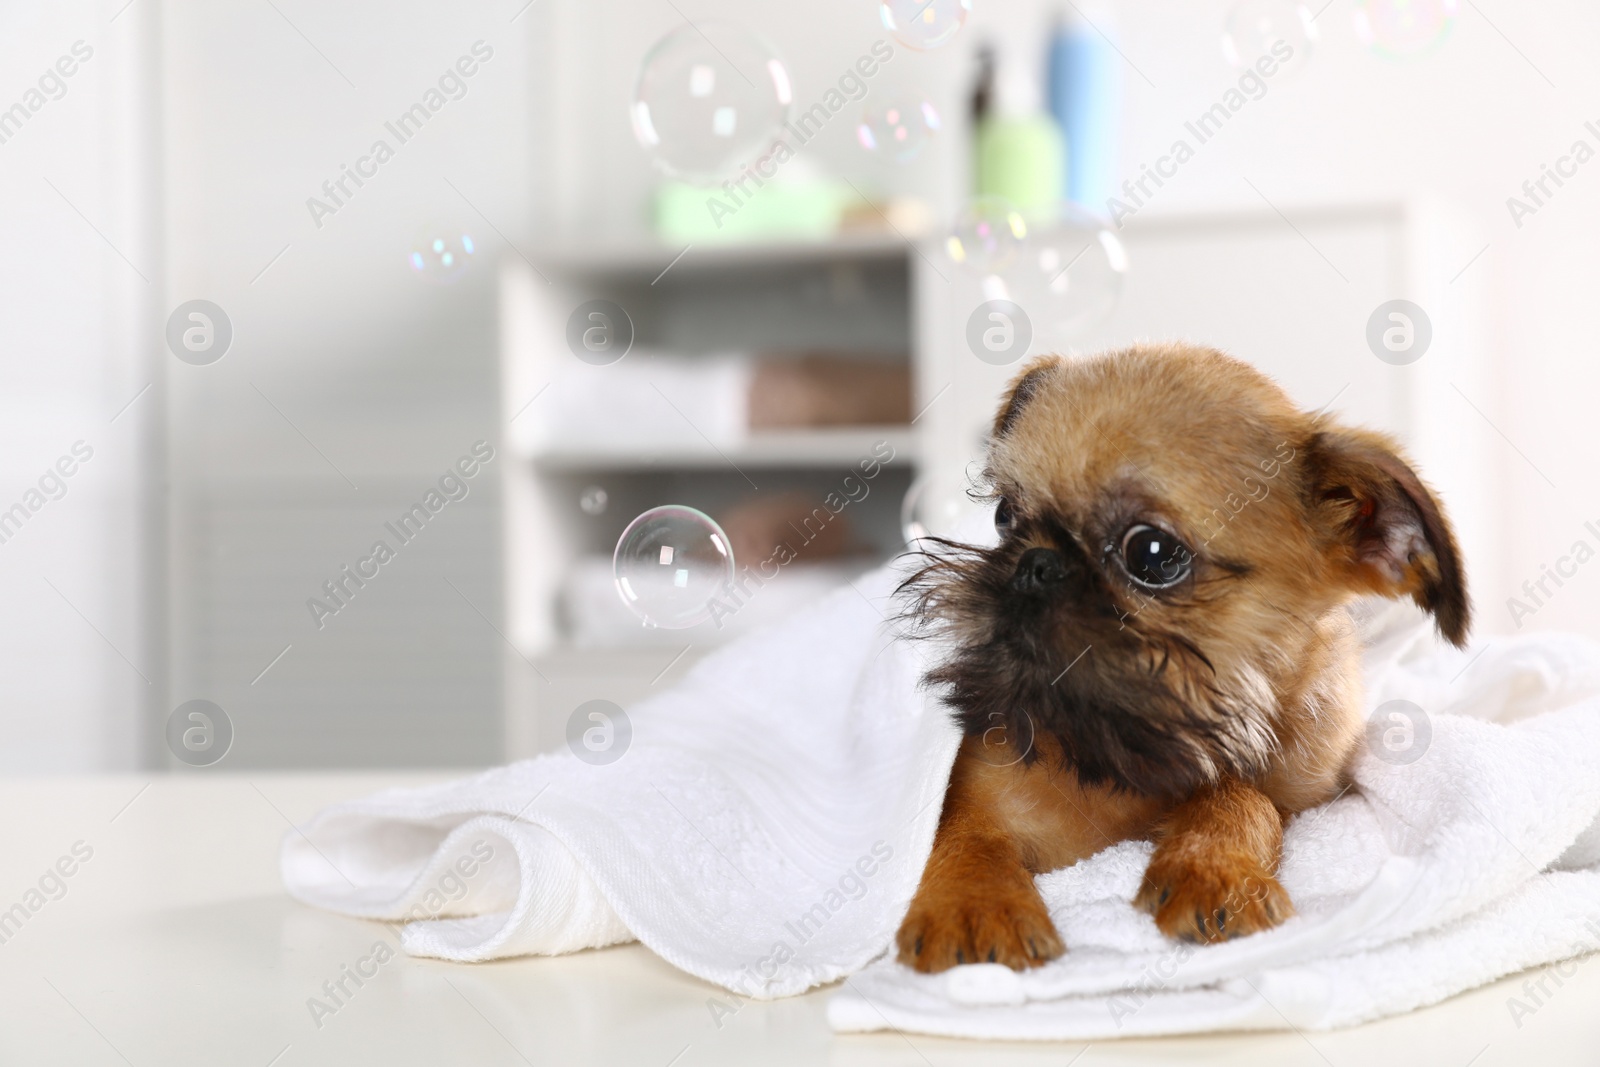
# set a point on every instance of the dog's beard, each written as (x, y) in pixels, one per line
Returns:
(1131, 706)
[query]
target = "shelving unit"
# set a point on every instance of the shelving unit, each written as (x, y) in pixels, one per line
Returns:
(855, 295)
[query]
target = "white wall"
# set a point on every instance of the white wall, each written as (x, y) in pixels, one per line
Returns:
(79, 668)
(352, 383)
(189, 142)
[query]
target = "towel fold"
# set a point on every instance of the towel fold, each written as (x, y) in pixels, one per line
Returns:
(764, 829)
(768, 822)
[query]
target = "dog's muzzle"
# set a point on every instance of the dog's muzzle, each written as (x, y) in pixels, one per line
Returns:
(1040, 570)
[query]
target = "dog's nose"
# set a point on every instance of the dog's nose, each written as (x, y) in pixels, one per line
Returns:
(1039, 569)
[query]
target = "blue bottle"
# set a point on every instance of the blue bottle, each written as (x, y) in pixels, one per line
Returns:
(1084, 87)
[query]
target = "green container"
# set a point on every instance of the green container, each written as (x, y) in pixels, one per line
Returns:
(1022, 159)
(793, 211)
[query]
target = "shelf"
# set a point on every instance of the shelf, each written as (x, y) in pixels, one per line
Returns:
(841, 447)
(651, 259)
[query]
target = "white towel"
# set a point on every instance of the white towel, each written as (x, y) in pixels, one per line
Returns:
(1474, 861)
(649, 401)
(766, 827)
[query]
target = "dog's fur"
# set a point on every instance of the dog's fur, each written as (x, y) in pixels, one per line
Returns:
(1199, 715)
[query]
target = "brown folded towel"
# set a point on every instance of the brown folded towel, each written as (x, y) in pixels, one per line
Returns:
(829, 390)
(757, 526)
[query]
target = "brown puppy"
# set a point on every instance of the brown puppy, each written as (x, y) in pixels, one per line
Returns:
(1158, 648)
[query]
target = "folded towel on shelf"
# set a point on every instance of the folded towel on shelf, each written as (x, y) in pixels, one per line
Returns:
(829, 389)
(654, 399)
(648, 400)
(593, 616)
(768, 822)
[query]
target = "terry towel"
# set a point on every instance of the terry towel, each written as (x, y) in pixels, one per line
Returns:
(767, 820)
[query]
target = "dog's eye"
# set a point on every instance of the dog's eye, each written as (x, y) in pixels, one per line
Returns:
(1154, 557)
(1002, 515)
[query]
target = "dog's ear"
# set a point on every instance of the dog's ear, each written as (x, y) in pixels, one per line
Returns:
(1382, 527)
(1019, 392)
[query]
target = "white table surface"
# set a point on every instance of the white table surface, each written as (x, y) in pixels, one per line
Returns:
(175, 944)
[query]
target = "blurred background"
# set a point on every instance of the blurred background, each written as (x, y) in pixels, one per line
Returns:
(485, 282)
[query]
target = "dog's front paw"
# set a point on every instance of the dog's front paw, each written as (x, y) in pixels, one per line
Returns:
(978, 924)
(1211, 898)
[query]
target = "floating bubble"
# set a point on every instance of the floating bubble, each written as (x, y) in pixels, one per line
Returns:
(593, 500)
(898, 130)
(709, 98)
(1400, 29)
(671, 563)
(987, 236)
(1276, 34)
(936, 509)
(1068, 275)
(442, 255)
(924, 24)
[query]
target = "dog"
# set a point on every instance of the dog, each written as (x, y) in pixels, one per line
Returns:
(1159, 647)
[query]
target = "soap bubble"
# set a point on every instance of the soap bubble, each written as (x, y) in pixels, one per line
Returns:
(1400, 29)
(593, 500)
(987, 236)
(937, 509)
(898, 130)
(671, 563)
(709, 98)
(1068, 275)
(441, 255)
(1282, 31)
(923, 24)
